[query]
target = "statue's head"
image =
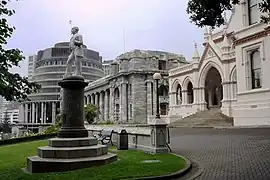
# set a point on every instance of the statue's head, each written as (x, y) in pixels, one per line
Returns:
(74, 30)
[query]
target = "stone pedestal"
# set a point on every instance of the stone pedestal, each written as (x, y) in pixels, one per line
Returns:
(72, 149)
(73, 105)
(158, 136)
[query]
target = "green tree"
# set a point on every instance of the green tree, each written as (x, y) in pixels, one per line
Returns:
(6, 124)
(90, 111)
(12, 85)
(209, 12)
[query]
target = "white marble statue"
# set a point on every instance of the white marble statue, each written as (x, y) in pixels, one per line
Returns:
(76, 46)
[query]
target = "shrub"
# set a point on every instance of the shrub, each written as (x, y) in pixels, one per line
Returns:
(90, 111)
(54, 128)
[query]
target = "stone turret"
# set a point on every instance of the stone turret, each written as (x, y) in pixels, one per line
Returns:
(226, 45)
(196, 55)
(123, 65)
(206, 35)
(114, 67)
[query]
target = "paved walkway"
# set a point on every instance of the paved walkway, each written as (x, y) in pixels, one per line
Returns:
(226, 154)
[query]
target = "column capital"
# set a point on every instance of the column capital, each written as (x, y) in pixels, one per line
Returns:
(149, 81)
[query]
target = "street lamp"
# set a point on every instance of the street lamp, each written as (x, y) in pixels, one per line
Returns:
(157, 77)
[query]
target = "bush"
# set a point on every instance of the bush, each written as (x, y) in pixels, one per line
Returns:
(54, 128)
(90, 111)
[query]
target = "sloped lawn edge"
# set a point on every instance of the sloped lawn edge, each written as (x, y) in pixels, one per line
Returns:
(182, 172)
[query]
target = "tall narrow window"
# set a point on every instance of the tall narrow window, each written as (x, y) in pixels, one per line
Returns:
(253, 11)
(255, 63)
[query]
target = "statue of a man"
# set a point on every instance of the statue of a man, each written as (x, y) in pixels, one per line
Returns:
(76, 46)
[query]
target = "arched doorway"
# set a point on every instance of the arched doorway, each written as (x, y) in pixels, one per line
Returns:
(213, 89)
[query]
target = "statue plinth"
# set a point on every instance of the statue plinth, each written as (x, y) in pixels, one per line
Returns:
(73, 105)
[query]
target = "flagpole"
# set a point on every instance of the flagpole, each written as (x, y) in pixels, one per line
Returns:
(124, 39)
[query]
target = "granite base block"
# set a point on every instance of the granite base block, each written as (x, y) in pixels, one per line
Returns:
(36, 164)
(72, 152)
(72, 142)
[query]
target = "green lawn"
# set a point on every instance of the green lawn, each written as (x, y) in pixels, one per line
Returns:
(13, 159)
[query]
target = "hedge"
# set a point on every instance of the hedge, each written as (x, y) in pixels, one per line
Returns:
(25, 139)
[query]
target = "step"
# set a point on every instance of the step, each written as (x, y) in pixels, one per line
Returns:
(72, 152)
(72, 142)
(37, 164)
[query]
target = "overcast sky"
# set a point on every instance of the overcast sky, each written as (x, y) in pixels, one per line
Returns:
(147, 24)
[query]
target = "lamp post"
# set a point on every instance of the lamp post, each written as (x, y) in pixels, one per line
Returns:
(157, 77)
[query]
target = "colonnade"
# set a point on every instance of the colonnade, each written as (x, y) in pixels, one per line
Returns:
(39, 112)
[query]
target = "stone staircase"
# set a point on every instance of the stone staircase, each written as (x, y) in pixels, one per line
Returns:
(212, 117)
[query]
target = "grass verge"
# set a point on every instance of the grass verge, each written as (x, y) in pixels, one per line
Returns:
(13, 159)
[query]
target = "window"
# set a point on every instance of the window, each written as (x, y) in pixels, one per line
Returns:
(161, 65)
(253, 11)
(178, 95)
(255, 64)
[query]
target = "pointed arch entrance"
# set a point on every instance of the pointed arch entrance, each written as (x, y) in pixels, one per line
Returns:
(213, 88)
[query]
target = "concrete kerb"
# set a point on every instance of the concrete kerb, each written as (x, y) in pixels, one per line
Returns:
(198, 172)
(221, 127)
(178, 174)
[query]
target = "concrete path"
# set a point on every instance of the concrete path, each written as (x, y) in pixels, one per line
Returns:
(225, 154)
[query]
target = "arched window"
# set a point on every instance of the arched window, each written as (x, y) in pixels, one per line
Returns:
(190, 93)
(255, 64)
(178, 95)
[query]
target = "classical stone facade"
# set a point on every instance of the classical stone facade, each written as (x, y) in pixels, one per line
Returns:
(128, 94)
(231, 74)
(49, 70)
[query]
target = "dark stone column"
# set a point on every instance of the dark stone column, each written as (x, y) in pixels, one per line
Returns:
(73, 104)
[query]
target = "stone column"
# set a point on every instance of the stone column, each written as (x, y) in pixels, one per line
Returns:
(101, 105)
(124, 102)
(42, 112)
(93, 99)
(21, 113)
(149, 95)
(196, 92)
(53, 112)
(106, 106)
(111, 107)
(233, 90)
(184, 96)
(226, 91)
(26, 113)
(36, 112)
(89, 99)
(173, 100)
(73, 105)
(45, 112)
(33, 113)
(96, 100)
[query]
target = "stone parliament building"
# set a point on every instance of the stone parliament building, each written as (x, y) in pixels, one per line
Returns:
(128, 93)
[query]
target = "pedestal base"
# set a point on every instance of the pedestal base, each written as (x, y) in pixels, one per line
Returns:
(66, 154)
(73, 132)
(36, 164)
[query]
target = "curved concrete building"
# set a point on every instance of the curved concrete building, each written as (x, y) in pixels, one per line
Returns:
(48, 71)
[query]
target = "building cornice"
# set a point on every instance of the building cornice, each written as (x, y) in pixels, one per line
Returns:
(252, 37)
